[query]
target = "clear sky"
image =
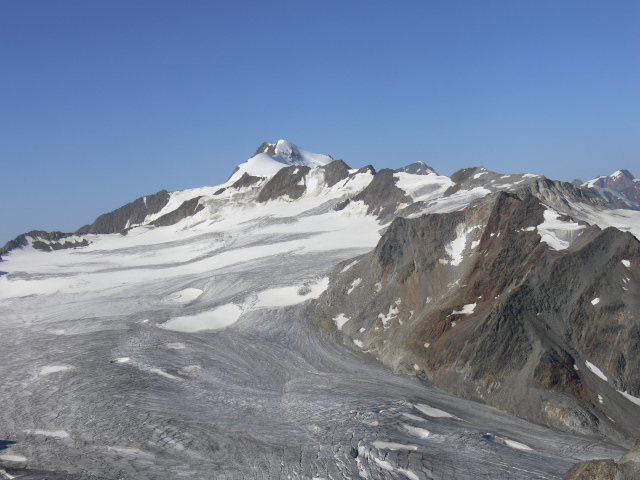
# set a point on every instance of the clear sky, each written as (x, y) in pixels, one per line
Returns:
(103, 102)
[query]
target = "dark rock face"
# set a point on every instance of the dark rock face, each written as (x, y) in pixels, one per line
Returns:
(268, 148)
(187, 209)
(132, 213)
(416, 168)
(475, 303)
(245, 180)
(381, 195)
(592, 470)
(289, 181)
(628, 468)
(45, 241)
(334, 172)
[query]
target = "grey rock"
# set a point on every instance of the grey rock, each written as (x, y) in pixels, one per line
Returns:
(130, 214)
(533, 318)
(186, 209)
(268, 148)
(42, 240)
(334, 172)
(290, 181)
(382, 196)
(416, 168)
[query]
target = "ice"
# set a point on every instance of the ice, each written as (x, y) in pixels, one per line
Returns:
(393, 446)
(432, 412)
(340, 320)
(54, 369)
(466, 309)
(558, 234)
(595, 370)
(630, 397)
(595, 301)
(216, 319)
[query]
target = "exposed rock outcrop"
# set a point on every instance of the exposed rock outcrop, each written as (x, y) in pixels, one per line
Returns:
(128, 215)
(416, 168)
(289, 181)
(45, 241)
(382, 196)
(628, 468)
(475, 302)
(186, 209)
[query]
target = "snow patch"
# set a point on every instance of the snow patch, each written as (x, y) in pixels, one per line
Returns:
(595, 301)
(162, 373)
(517, 445)
(393, 313)
(349, 266)
(595, 370)
(415, 431)
(49, 369)
(358, 343)
(215, 319)
(600, 399)
(626, 263)
(341, 320)
(122, 360)
(286, 296)
(409, 474)
(466, 309)
(185, 296)
(49, 433)
(384, 465)
(175, 346)
(432, 412)
(393, 446)
(557, 234)
(354, 284)
(7, 457)
(630, 397)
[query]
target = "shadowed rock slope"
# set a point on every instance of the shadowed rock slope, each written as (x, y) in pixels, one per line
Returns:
(474, 302)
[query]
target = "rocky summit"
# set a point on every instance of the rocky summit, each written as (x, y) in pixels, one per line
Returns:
(306, 319)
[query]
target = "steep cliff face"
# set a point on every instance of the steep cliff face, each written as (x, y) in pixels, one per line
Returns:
(505, 302)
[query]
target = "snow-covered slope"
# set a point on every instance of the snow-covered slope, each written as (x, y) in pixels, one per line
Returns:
(270, 158)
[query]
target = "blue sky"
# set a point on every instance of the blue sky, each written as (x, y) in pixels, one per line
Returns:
(103, 102)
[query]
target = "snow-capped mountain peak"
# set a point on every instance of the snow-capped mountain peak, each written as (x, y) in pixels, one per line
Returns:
(621, 187)
(270, 158)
